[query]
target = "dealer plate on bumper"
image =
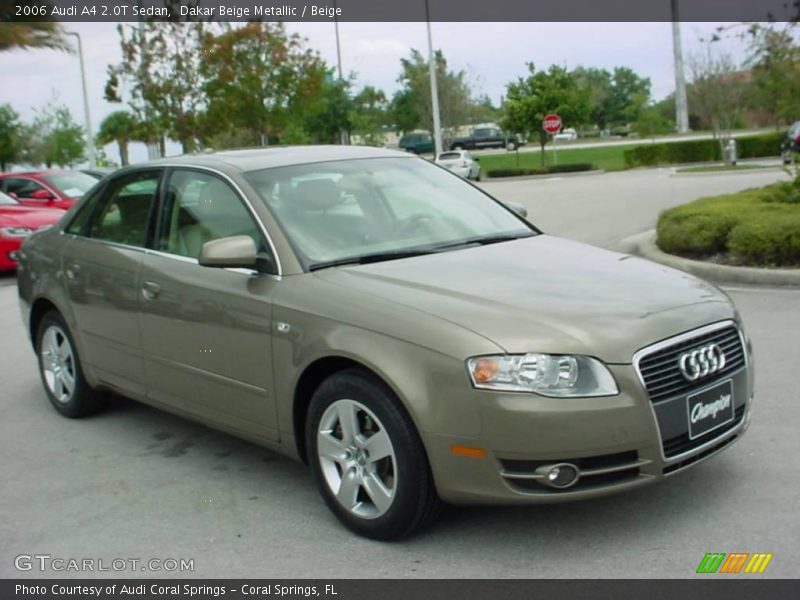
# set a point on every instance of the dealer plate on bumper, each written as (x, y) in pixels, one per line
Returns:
(710, 409)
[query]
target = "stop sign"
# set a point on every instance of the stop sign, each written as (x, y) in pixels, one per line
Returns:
(551, 123)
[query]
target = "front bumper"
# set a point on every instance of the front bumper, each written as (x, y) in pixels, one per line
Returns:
(615, 442)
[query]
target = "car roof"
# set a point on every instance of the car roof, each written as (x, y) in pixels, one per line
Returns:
(279, 156)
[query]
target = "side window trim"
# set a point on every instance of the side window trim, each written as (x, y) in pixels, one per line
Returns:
(107, 187)
(90, 204)
(237, 192)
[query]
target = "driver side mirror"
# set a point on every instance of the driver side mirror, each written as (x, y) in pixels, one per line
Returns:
(236, 251)
(517, 208)
(43, 195)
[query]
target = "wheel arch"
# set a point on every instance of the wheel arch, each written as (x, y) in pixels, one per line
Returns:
(40, 307)
(312, 377)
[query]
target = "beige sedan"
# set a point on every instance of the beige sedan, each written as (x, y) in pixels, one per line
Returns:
(408, 336)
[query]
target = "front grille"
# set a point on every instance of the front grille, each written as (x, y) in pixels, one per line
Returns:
(662, 376)
(681, 443)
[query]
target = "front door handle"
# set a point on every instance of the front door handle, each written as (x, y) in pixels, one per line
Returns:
(150, 290)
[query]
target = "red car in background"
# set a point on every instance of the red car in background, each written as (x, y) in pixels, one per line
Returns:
(50, 189)
(16, 223)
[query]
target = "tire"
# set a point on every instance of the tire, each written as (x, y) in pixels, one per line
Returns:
(385, 496)
(61, 372)
(511, 146)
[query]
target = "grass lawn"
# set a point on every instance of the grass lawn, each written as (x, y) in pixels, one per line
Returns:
(717, 168)
(608, 158)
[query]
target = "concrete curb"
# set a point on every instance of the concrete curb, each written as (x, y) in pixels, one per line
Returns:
(544, 176)
(644, 245)
(677, 173)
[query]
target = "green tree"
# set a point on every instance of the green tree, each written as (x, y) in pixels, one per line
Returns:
(260, 79)
(331, 112)
(54, 138)
(10, 138)
(160, 78)
(370, 113)
(774, 56)
(718, 91)
(596, 85)
(455, 96)
(36, 32)
(122, 128)
(403, 111)
(531, 98)
(627, 88)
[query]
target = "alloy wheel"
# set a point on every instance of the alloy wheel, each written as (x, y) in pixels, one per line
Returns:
(58, 364)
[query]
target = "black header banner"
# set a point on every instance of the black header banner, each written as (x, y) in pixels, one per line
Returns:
(405, 589)
(401, 10)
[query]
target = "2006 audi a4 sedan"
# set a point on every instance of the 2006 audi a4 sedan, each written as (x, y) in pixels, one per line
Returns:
(411, 338)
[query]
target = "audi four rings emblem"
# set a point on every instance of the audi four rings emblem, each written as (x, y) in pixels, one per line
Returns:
(701, 362)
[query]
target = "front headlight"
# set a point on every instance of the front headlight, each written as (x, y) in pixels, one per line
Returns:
(561, 376)
(16, 232)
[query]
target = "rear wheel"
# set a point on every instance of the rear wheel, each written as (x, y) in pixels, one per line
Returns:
(367, 458)
(60, 370)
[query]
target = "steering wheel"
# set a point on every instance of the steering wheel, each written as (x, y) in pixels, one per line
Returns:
(412, 223)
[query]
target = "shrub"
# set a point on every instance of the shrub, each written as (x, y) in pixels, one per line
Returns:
(767, 144)
(769, 239)
(517, 171)
(755, 227)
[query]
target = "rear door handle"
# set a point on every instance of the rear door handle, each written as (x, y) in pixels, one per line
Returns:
(150, 290)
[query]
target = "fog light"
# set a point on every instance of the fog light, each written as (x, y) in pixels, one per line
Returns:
(562, 476)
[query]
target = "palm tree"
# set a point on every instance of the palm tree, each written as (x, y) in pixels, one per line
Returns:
(122, 128)
(36, 33)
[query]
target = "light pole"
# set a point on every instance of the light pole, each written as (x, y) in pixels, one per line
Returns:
(681, 105)
(437, 125)
(344, 138)
(88, 120)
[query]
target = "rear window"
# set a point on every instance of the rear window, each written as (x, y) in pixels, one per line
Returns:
(449, 155)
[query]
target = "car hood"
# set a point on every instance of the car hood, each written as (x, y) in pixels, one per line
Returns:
(23, 216)
(546, 294)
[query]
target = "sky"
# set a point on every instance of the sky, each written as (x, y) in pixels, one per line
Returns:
(493, 54)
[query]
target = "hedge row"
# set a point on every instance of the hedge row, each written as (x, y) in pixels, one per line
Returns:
(759, 227)
(516, 171)
(755, 146)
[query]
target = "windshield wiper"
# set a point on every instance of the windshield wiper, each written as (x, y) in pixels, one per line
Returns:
(371, 258)
(364, 259)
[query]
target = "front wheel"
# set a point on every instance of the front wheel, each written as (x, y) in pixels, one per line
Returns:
(368, 459)
(61, 372)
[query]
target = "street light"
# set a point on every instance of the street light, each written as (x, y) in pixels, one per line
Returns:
(344, 139)
(89, 136)
(681, 106)
(437, 125)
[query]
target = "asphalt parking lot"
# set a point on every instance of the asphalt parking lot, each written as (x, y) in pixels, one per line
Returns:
(134, 482)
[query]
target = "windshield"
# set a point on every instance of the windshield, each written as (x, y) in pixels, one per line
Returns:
(345, 210)
(5, 199)
(74, 184)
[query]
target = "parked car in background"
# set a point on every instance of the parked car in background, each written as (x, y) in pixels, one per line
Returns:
(98, 172)
(418, 143)
(17, 222)
(486, 137)
(567, 135)
(461, 163)
(791, 143)
(51, 189)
